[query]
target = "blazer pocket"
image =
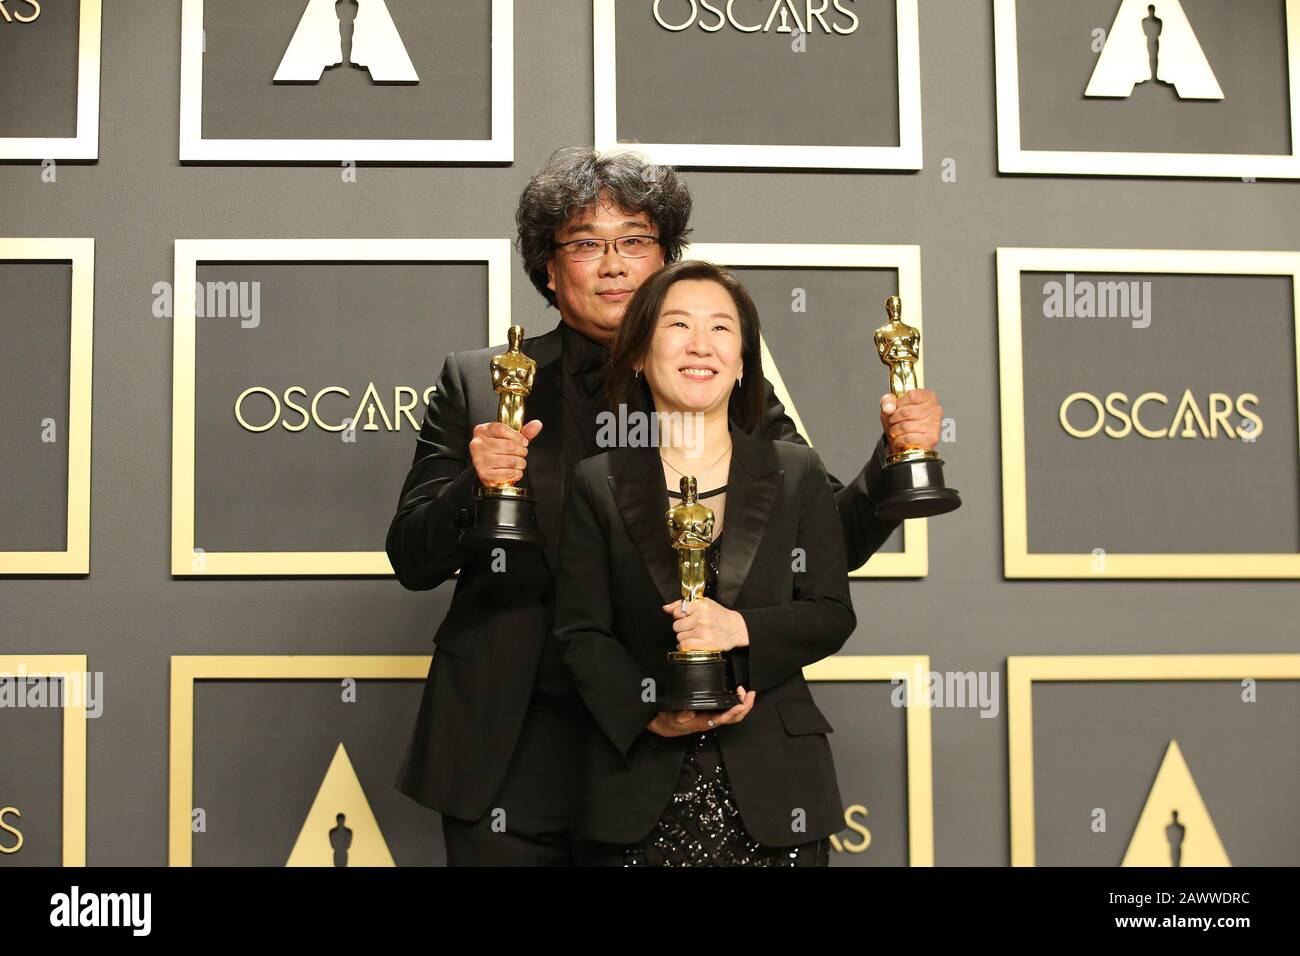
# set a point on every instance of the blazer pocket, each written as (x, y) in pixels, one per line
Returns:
(802, 716)
(455, 638)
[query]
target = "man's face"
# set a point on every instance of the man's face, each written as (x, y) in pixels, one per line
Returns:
(593, 295)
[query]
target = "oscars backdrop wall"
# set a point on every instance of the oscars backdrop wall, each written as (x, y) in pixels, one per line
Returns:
(278, 219)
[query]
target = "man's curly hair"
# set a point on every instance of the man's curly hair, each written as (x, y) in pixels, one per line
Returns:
(574, 179)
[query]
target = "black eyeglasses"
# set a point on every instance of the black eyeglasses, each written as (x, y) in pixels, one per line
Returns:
(629, 247)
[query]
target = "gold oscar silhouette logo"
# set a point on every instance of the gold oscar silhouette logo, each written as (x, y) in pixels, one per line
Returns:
(1152, 40)
(1174, 828)
(340, 829)
(360, 33)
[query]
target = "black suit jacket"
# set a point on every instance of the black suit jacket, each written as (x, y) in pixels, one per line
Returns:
(490, 643)
(618, 568)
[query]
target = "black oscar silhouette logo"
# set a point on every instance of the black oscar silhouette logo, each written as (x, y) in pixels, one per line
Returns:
(340, 840)
(347, 13)
(1175, 826)
(340, 829)
(355, 33)
(1152, 42)
(1152, 26)
(1174, 833)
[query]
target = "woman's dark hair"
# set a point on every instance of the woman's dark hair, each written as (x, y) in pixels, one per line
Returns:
(641, 317)
(577, 177)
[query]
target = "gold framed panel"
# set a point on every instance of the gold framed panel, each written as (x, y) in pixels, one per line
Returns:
(75, 556)
(1022, 671)
(913, 561)
(1012, 158)
(194, 147)
(85, 145)
(189, 253)
(920, 752)
(906, 155)
(74, 744)
(1018, 561)
(186, 670)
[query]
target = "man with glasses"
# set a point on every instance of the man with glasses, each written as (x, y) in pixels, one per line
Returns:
(497, 742)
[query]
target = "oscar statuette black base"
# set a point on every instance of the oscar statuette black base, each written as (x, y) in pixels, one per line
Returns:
(501, 521)
(698, 680)
(915, 489)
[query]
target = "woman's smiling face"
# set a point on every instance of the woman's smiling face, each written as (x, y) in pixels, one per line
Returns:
(695, 355)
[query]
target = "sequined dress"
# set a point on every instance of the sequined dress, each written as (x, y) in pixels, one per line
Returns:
(701, 826)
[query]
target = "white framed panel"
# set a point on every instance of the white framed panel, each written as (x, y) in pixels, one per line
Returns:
(85, 144)
(906, 155)
(1013, 158)
(194, 147)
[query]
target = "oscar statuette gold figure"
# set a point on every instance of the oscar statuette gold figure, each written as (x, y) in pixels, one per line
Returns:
(914, 476)
(505, 513)
(698, 679)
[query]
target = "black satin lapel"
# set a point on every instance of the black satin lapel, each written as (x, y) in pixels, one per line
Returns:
(545, 471)
(642, 499)
(748, 509)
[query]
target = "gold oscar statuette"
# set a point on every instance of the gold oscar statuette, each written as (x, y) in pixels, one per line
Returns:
(914, 476)
(505, 513)
(698, 679)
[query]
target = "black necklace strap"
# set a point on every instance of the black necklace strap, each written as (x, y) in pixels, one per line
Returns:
(708, 494)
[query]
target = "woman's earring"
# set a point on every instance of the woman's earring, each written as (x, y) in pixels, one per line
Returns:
(637, 375)
(740, 380)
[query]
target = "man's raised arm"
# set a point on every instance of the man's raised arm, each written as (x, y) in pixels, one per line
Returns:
(864, 533)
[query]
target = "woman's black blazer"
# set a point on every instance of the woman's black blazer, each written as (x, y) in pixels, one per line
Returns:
(783, 567)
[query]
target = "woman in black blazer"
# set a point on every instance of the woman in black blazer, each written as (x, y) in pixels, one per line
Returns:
(754, 785)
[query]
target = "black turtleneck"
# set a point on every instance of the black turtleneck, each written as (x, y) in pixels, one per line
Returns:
(581, 354)
(584, 382)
